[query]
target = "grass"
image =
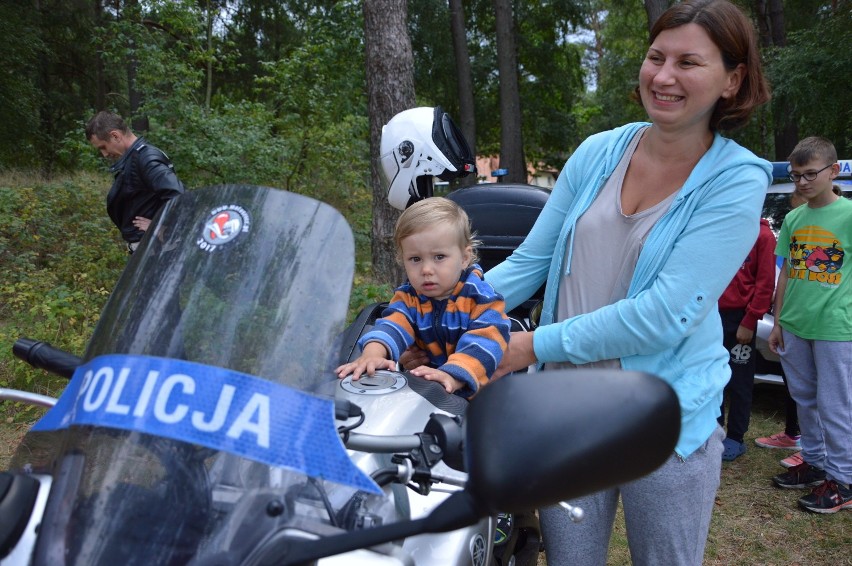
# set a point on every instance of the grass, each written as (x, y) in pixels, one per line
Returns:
(757, 523)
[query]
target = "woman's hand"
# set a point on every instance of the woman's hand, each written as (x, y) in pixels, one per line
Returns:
(519, 354)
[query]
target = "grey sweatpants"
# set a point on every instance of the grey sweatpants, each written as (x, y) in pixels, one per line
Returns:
(819, 376)
(667, 514)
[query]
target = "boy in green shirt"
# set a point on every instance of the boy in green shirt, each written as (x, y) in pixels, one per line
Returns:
(813, 327)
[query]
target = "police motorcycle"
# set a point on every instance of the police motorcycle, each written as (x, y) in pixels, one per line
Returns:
(204, 425)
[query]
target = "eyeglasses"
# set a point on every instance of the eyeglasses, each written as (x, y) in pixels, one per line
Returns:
(809, 176)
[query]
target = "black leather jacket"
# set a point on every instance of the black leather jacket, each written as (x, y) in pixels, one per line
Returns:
(145, 180)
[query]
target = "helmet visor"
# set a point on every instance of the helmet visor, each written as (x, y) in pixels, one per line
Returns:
(449, 140)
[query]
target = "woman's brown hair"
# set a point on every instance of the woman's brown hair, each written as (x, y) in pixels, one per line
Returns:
(735, 36)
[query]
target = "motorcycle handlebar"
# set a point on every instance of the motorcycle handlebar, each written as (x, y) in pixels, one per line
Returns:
(42, 355)
(382, 444)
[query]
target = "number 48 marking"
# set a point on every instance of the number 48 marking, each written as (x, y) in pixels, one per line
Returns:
(741, 352)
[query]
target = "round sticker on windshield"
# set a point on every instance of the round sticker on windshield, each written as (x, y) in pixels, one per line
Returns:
(224, 224)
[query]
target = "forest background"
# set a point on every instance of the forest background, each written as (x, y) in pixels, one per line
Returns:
(276, 92)
(292, 94)
(279, 93)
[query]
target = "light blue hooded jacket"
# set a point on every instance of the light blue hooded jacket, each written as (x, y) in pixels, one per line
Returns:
(668, 325)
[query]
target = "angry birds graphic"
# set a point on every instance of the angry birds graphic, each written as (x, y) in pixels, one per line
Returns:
(816, 250)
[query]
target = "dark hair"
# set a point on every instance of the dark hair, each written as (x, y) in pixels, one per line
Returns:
(814, 147)
(734, 35)
(103, 123)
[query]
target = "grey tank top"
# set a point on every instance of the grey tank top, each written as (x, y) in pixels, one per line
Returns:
(606, 244)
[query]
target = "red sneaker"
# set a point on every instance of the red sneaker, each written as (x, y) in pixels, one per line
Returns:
(780, 440)
(792, 460)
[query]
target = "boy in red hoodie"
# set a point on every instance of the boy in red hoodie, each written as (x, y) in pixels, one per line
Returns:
(745, 301)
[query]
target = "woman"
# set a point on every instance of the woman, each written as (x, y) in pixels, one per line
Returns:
(644, 229)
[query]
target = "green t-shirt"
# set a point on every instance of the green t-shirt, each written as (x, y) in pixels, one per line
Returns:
(818, 300)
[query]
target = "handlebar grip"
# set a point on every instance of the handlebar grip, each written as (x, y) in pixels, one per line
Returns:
(42, 355)
(382, 444)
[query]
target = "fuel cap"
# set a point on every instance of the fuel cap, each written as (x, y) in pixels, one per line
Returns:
(380, 383)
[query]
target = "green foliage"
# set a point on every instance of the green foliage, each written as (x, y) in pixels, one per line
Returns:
(20, 97)
(813, 72)
(317, 101)
(271, 92)
(623, 37)
(60, 257)
(260, 31)
(551, 78)
(232, 143)
(359, 214)
(166, 44)
(432, 47)
(55, 77)
(366, 292)
(305, 127)
(74, 152)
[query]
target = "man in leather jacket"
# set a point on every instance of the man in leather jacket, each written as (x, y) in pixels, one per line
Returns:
(145, 178)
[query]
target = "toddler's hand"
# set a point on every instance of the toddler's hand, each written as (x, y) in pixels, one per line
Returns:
(450, 383)
(364, 364)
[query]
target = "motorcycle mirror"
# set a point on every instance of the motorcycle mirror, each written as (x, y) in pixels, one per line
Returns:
(556, 435)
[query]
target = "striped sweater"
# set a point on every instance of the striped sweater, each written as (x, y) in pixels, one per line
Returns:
(465, 335)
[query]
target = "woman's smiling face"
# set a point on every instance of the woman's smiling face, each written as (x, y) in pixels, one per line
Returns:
(683, 77)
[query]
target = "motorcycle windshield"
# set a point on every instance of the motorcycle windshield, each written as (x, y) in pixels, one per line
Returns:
(231, 283)
(248, 278)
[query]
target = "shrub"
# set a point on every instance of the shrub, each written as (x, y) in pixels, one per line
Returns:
(60, 256)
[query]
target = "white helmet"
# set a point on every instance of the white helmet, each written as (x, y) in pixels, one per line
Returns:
(418, 144)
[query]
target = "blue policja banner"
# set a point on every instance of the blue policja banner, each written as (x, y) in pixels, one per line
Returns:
(211, 406)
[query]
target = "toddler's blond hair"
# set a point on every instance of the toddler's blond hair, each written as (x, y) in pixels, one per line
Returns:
(431, 212)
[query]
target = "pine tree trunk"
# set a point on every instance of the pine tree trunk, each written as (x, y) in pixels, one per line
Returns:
(511, 140)
(467, 111)
(390, 90)
(654, 9)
